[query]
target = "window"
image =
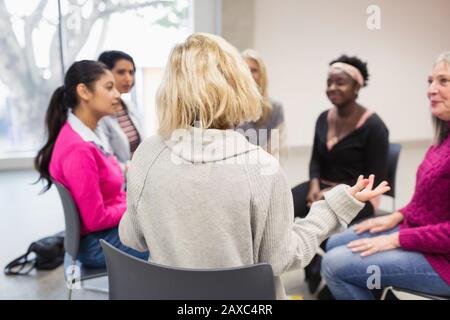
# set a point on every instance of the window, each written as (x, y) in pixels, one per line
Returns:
(30, 42)
(31, 62)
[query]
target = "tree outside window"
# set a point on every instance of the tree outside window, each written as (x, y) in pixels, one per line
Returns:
(38, 37)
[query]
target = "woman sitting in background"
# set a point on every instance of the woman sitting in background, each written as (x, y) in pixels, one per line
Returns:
(410, 247)
(349, 140)
(122, 129)
(200, 195)
(272, 139)
(75, 157)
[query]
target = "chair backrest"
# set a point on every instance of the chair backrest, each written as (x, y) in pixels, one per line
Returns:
(393, 155)
(132, 278)
(72, 221)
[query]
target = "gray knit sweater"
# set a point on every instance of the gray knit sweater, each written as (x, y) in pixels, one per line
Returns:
(210, 199)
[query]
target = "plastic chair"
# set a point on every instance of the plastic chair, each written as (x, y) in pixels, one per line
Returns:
(74, 272)
(403, 294)
(132, 278)
(393, 156)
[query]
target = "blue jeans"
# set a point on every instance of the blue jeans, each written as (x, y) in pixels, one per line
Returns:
(350, 276)
(91, 253)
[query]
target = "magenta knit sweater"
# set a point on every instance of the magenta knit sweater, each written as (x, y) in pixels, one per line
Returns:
(94, 180)
(426, 227)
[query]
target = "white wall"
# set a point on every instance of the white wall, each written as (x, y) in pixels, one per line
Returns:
(238, 21)
(206, 16)
(298, 38)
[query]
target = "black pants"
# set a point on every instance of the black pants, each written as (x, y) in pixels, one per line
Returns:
(300, 192)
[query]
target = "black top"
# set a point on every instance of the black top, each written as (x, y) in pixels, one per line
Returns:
(362, 151)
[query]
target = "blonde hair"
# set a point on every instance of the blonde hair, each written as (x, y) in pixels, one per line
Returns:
(441, 127)
(262, 84)
(206, 82)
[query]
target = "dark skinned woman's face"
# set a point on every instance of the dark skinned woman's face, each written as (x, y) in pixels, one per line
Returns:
(341, 88)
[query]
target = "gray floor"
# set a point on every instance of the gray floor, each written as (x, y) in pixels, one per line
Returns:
(27, 216)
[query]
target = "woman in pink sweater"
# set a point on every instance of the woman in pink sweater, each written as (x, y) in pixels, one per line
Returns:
(410, 248)
(75, 156)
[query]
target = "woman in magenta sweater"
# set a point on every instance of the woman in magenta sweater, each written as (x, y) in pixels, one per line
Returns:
(75, 157)
(410, 248)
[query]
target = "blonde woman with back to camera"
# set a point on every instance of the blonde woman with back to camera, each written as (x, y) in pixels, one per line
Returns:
(200, 195)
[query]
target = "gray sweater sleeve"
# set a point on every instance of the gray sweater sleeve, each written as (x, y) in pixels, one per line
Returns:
(130, 232)
(286, 244)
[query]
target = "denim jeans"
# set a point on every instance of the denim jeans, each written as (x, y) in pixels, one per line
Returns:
(352, 277)
(91, 253)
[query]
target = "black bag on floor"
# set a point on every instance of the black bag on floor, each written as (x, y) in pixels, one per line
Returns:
(44, 254)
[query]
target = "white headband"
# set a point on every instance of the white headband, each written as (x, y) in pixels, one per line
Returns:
(350, 70)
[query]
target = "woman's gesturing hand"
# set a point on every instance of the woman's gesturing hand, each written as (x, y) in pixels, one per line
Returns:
(363, 192)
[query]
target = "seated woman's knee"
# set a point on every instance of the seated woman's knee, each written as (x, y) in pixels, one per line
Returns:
(335, 261)
(341, 239)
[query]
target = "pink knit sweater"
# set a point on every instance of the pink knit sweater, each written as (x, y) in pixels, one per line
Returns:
(94, 180)
(426, 227)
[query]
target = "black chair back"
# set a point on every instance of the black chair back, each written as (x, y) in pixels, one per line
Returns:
(132, 278)
(72, 221)
(393, 156)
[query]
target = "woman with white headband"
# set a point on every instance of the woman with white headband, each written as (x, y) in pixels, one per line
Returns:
(349, 140)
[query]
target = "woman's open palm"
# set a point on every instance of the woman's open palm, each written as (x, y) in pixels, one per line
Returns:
(363, 192)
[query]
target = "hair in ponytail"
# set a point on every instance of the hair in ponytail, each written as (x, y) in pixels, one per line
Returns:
(63, 99)
(55, 118)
